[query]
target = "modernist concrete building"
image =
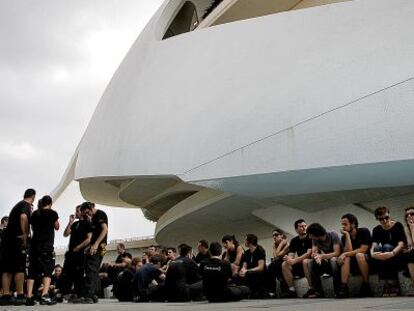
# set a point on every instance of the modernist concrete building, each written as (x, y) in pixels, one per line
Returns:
(260, 113)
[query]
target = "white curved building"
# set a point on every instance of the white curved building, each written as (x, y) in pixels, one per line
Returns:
(263, 112)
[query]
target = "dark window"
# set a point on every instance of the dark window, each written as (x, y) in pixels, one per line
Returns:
(186, 20)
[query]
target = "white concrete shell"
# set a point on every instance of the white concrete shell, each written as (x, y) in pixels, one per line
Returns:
(250, 124)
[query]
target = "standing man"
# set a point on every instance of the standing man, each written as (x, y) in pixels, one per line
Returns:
(295, 263)
(3, 226)
(95, 253)
(15, 242)
(354, 259)
(325, 251)
(80, 233)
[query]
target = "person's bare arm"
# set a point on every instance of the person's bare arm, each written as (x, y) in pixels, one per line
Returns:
(279, 250)
(24, 225)
(239, 256)
(304, 256)
(348, 242)
(335, 253)
(68, 229)
(57, 225)
(362, 249)
(260, 266)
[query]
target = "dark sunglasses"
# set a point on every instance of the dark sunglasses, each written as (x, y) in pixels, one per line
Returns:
(383, 218)
(409, 214)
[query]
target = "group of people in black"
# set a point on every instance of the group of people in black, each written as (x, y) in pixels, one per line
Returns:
(240, 271)
(221, 271)
(28, 259)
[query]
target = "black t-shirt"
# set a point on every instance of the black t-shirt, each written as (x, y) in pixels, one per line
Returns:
(300, 246)
(215, 274)
(122, 256)
(43, 226)
(13, 228)
(252, 259)
(181, 271)
(363, 237)
(98, 219)
(79, 231)
(200, 257)
(391, 236)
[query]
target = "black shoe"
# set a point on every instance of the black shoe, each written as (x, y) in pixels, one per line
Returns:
(6, 300)
(47, 301)
(343, 292)
(312, 293)
(76, 300)
(19, 301)
(289, 294)
(365, 290)
(87, 301)
(95, 299)
(30, 301)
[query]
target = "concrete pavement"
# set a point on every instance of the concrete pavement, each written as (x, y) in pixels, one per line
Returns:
(367, 304)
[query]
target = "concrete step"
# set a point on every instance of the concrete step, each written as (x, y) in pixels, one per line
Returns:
(302, 286)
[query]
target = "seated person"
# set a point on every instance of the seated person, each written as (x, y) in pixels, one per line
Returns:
(57, 284)
(234, 253)
(388, 242)
(124, 290)
(408, 253)
(325, 251)
(215, 274)
(274, 270)
(146, 278)
(294, 264)
(252, 273)
(171, 255)
(202, 251)
(182, 282)
(354, 259)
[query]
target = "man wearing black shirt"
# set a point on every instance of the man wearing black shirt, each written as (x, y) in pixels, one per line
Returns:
(80, 233)
(15, 242)
(252, 273)
(294, 264)
(95, 253)
(388, 242)
(182, 280)
(202, 251)
(216, 273)
(354, 259)
(44, 222)
(114, 268)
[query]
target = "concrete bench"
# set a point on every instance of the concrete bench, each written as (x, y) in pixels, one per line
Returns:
(302, 287)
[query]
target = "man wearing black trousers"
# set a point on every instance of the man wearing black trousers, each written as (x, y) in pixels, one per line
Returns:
(95, 252)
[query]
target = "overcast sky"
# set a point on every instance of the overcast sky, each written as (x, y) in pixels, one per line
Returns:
(56, 58)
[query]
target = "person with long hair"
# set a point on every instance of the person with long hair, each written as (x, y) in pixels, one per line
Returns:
(234, 252)
(44, 222)
(388, 242)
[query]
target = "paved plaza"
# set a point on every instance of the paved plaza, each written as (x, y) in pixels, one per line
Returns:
(367, 304)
